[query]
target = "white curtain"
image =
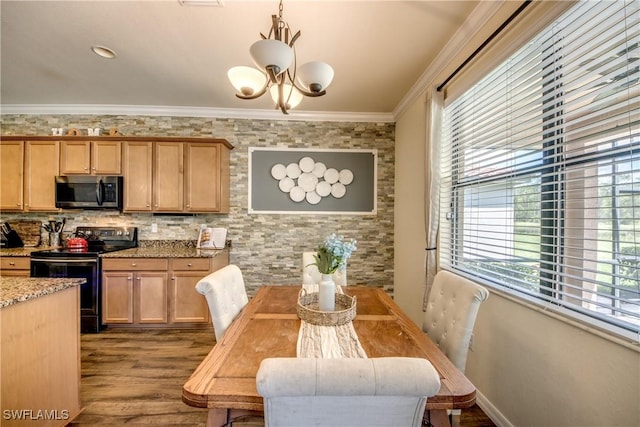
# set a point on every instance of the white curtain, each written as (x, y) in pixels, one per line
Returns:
(435, 102)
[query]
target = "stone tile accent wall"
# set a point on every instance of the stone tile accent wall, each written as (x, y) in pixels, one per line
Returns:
(267, 247)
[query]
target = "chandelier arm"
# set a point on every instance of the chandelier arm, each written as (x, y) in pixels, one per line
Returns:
(258, 94)
(281, 103)
(307, 93)
(295, 37)
(272, 74)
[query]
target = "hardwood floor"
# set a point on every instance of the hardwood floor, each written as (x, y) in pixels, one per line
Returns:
(136, 377)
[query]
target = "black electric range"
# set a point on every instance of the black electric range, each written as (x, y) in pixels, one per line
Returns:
(86, 264)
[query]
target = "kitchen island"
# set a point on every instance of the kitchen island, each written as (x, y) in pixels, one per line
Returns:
(40, 350)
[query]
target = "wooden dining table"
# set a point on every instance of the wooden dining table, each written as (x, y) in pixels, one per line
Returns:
(225, 381)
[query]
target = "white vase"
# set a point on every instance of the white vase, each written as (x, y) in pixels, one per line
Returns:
(327, 299)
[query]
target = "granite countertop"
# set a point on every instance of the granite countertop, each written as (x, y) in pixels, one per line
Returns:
(18, 289)
(164, 252)
(24, 251)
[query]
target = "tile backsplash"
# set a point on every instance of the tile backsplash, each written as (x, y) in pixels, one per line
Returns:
(267, 247)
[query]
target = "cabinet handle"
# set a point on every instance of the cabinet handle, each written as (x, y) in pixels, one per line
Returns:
(12, 263)
(189, 265)
(139, 278)
(173, 277)
(133, 264)
(129, 278)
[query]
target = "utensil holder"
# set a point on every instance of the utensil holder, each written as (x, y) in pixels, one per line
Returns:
(54, 239)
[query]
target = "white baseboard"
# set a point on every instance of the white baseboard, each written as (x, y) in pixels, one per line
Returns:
(492, 412)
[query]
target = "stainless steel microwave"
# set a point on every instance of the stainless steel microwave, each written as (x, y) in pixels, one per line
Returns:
(89, 192)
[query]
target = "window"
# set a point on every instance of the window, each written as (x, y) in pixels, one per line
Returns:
(541, 168)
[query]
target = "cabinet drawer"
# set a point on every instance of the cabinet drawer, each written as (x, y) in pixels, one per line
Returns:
(134, 264)
(190, 264)
(15, 263)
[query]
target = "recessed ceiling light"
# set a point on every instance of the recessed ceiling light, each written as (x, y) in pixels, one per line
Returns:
(103, 51)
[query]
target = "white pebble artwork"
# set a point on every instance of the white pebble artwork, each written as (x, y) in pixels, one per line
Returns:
(311, 181)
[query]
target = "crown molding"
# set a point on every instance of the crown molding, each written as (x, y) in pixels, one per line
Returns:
(474, 23)
(176, 111)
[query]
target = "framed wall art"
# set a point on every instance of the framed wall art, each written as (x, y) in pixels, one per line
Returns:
(312, 181)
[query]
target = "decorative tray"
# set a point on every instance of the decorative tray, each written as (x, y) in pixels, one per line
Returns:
(309, 312)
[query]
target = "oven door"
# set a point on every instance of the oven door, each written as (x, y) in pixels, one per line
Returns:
(85, 268)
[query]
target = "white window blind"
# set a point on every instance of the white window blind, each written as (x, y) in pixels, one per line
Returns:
(541, 168)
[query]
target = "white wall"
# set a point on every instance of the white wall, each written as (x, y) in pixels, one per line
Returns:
(533, 369)
(409, 211)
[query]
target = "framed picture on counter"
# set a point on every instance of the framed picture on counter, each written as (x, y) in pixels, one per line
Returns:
(312, 181)
(212, 238)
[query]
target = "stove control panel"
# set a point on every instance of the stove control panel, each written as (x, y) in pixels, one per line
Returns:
(120, 234)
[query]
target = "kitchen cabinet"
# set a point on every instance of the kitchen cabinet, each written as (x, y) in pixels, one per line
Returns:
(11, 177)
(138, 176)
(206, 177)
(41, 166)
(176, 177)
(154, 177)
(15, 266)
(102, 157)
(187, 305)
(168, 177)
(134, 291)
(28, 172)
(161, 174)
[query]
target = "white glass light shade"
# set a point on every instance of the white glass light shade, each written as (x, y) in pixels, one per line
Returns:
(290, 101)
(315, 76)
(246, 80)
(270, 52)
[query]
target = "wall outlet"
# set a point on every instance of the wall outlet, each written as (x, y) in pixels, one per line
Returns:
(154, 227)
(471, 343)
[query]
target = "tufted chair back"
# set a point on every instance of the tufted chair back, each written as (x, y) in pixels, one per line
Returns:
(226, 295)
(387, 391)
(311, 275)
(452, 308)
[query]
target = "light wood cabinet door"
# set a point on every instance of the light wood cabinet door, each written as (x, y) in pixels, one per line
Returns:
(150, 289)
(106, 157)
(138, 173)
(168, 177)
(117, 297)
(42, 165)
(91, 157)
(187, 305)
(11, 177)
(75, 157)
(205, 172)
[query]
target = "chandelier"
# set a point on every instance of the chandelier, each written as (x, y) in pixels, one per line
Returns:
(277, 70)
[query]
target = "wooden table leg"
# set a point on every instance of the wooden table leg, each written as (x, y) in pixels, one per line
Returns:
(438, 418)
(216, 417)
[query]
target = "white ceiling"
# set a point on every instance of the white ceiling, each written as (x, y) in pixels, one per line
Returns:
(176, 57)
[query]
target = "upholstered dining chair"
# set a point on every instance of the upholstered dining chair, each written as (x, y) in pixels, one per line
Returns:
(452, 307)
(226, 296)
(388, 391)
(311, 275)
